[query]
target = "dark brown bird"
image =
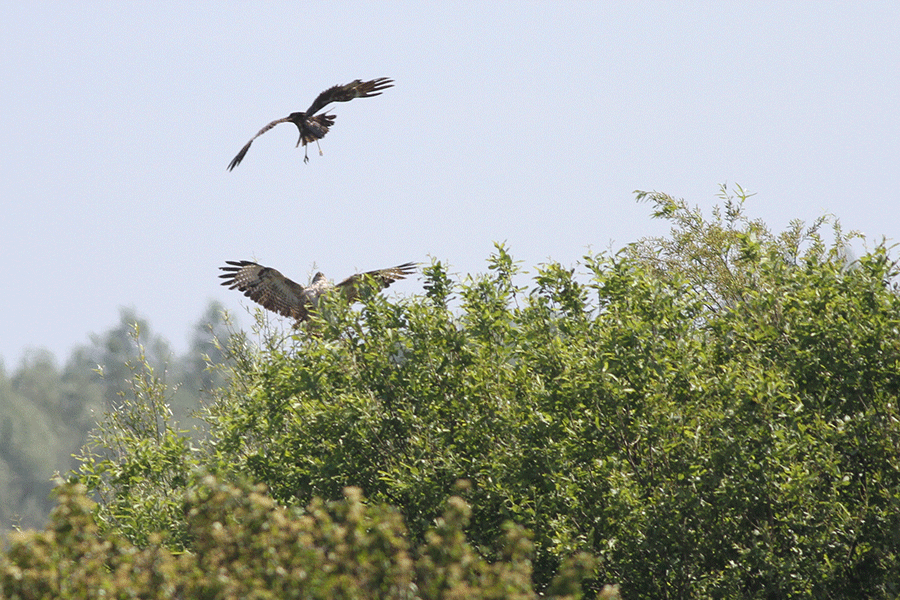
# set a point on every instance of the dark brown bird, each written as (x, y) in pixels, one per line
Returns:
(277, 293)
(314, 127)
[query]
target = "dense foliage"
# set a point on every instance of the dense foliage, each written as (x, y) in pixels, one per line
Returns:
(712, 413)
(245, 546)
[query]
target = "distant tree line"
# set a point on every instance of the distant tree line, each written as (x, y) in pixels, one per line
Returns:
(47, 410)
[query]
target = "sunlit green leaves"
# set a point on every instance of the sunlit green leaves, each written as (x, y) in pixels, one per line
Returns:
(710, 414)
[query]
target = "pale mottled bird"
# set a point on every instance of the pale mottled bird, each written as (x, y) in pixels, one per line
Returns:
(314, 127)
(277, 293)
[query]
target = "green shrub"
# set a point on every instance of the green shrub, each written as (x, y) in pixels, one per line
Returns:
(245, 546)
(713, 413)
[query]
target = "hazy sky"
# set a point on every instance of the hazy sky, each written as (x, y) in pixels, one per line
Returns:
(530, 123)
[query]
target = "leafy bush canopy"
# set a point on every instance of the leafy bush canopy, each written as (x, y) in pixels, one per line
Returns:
(245, 546)
(713, 413)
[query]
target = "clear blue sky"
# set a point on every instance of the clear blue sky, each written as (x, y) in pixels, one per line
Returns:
(526, 122)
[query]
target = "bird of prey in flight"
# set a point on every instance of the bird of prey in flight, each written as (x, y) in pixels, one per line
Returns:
(277, 293)
(313, 127)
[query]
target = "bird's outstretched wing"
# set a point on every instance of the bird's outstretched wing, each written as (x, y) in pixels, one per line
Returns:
(240, 155)
(345, 93)
(267, 287)
(382, 278)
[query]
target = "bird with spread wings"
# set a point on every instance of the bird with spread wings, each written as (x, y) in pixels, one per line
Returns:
(277, 293)
(313, 127)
